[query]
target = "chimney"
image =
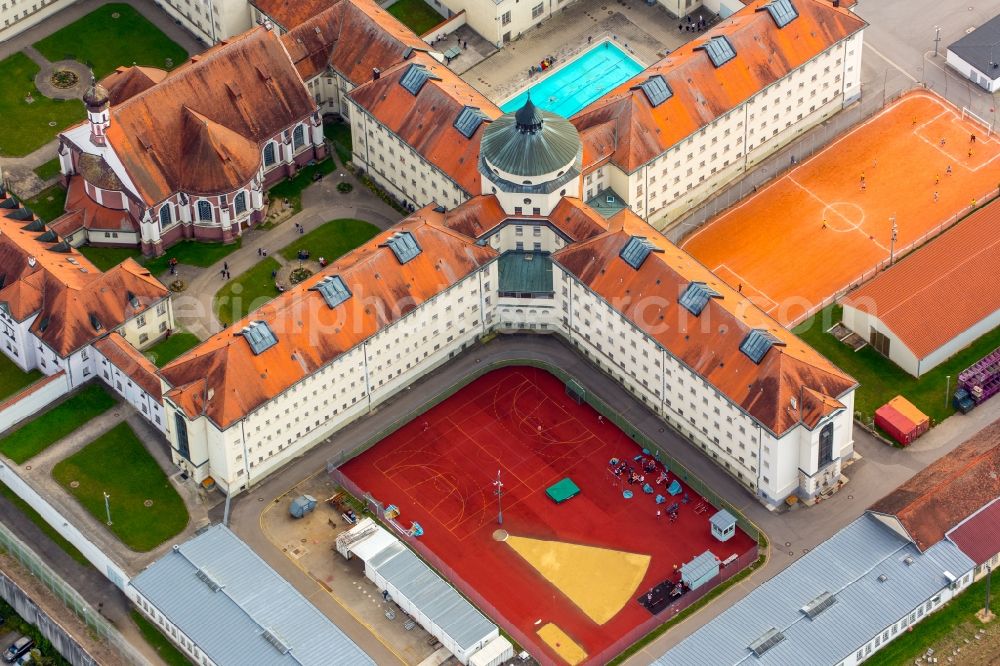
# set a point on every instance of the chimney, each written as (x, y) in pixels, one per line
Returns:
(376, 73)
(31, 261)
(836, 3)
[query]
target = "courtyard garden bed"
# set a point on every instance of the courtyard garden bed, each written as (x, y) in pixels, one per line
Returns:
(145, 508)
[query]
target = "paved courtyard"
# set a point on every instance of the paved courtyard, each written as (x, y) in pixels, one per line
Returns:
(569, 32)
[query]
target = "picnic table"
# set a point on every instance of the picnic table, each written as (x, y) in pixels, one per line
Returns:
(453, 52)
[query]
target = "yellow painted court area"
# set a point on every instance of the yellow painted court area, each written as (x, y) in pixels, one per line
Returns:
(564, 646)
(600, 581)
(818, 229)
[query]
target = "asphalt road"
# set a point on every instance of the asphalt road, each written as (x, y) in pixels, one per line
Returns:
(899, 48)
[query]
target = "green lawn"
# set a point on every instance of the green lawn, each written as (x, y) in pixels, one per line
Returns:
(164, 352)
(246, 292)
(958, 615)
(49, 427)
(417, 15)
(106, 258)
(48, 170)
(881, 379)
(49, 204)
(332, 240)
(13, 378)
(47, 529)
(30, 120)
(116, 463)
(192, 253)
(291, 189)
(156, 640)
(339, 134)
(105, 43)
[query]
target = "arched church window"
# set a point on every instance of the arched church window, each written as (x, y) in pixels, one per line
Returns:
(204, 211)
(165, 218)
(269, 154)
(240, 203)
(298, 137)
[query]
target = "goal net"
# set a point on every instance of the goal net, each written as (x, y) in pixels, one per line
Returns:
(968, 114)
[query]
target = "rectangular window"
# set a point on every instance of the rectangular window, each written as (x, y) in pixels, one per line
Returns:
(537, 10)
(505, 19)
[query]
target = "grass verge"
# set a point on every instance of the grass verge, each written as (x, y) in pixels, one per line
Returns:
(417, 15)
(145, 508)
(332, 240)
(246, 292)
(31, 119)
(192, 253)
(164, 352)
(156, 640)
(339, 134)
(106, 258)
(49, 427)
(13, 378)
(48, 204)
(292, 188)
(881, 379)
(111, 36)
(48, 170)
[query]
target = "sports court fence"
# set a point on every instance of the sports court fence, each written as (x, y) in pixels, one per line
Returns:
(899, 254)
(803, 147)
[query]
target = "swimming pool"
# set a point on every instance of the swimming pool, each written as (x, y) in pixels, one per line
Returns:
(579, 82)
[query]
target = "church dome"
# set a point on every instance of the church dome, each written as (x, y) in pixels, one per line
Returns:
(530, 142)
(96, 96)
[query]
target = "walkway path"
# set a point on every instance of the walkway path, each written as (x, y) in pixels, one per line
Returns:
(791, 533)
(321, 202)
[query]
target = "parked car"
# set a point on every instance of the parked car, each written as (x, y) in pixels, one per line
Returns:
(25, 660)
(17, 649)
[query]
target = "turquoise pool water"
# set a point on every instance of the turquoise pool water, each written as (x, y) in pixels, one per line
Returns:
(579, 82)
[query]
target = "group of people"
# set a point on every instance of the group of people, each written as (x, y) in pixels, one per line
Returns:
(542, 66)
(692, 25)
(623, 470)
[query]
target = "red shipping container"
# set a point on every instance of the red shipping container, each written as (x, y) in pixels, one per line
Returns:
(901, 420)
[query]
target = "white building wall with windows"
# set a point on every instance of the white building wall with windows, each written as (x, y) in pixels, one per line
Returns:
(689, 172)
(502, 21)
(16, 16)
(397, 167)
(210, 21)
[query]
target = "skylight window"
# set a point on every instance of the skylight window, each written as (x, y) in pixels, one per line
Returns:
(259, 336)
(757, 343)
(636, 250)
(275, 640)
(403, 245)
(468, 121)
(415, 77)
(206, 578)
(719, 49)
(696, 297)
(333, 289)
(767, 641)
(818, 605)
(657, 90)
(782, 11)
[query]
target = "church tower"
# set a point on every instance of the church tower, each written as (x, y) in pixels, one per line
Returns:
(98, 103)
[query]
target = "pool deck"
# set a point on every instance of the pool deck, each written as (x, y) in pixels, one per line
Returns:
(564, 36)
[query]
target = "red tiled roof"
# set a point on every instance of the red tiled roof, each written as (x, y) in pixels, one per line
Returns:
(979, 536)
(82, 212)
(248, 86)
(480, 215)
(928, 299)
(224, 380)
(948, 491)
(291, 13)
(332, 38)
(67, 291)
(426, 122)
(127, 82)
(129, 360)
(708, 343)
(702, 92)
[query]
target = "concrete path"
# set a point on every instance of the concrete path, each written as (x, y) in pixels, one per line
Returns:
(790, 534)
(321, 202)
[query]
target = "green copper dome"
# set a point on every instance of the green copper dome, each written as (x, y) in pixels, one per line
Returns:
(530, 142)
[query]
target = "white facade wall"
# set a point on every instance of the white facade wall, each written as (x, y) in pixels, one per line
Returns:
(135, 395)
(529, 235)
(20, 406)
(210, 20)
(168, 628)
(397, 167)
(15, 340)
(990, 83)
(501, 21)
(695, 168)
(144, 329)
(16, 16)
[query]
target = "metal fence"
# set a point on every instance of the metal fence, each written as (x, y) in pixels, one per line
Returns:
(64, 642)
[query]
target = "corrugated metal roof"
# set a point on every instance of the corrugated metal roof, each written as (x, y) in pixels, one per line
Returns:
(847, 565)
(979, 535)
(225, 598)
(438, 600)
(980, 47)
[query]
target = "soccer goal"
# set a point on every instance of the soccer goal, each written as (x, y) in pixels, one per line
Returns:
(967, 114)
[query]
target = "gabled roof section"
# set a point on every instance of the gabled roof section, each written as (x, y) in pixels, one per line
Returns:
(926, 300)
(979, 535)
(216, 159)
(427, 122)
(150, 131)
(224, 380)
(782, 11)
(948, 491)
(649, 298)
(719, 49)
(702, 92)
(127, 82)
(82, 212)
(290, 14)
(331, 38)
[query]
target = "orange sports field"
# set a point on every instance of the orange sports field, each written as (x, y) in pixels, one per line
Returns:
(818, 229)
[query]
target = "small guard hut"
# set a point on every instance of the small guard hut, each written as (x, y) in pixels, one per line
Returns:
(700, 570)
(723, 525)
